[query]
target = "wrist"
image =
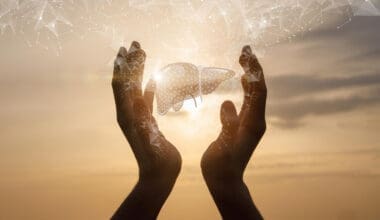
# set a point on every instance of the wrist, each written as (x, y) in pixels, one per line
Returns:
(142, 203)
(230, 194)
(223, 186)
(151, 191)
(234, 200)
(145, 201)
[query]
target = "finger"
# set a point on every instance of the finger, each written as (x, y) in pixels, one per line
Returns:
(253, 80)
(229, 119)
(258, 93)
(246, 98)
(150, 89)
(136, 60)
(249, 62)
(244, 60)
(252, 114)
(121, 88)
(120, 69)
(142, 120)
(253, 72)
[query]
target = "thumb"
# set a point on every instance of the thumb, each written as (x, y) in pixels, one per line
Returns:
(229, 118)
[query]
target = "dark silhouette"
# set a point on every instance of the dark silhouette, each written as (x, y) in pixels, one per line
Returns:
(225, 160)
(159, 162)
(159, 166)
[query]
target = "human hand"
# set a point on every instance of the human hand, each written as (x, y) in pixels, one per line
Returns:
(225, 160)
(158, 160)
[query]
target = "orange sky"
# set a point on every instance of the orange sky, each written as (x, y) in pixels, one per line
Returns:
(62, 155)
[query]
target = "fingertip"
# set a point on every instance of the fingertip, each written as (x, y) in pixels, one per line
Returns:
(246, 53)
(246, 49)
(136, 52)
(228, 114)
(122, 52)
(134, 46)
(228, 106)
(119, 63)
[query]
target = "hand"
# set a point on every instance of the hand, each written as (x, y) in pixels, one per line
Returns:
(158, 160)
(225, 160)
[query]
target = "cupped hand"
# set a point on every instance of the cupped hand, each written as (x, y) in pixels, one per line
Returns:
(158, 160)
(225, 160)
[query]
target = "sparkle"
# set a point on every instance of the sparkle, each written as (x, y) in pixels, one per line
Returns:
(261, 23)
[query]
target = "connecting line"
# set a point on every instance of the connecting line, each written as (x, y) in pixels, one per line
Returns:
(195, 101)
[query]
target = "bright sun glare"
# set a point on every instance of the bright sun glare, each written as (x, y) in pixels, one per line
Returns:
(157, 77)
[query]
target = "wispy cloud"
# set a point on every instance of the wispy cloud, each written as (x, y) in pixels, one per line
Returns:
(338, 71)
(291, 110)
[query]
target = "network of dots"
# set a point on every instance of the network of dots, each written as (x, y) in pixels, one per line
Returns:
(261, 23)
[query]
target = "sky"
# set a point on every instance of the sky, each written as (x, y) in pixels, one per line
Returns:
(63, 156)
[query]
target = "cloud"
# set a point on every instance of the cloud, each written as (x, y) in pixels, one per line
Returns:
(292, 97)
(337, 71)
(294, 85)
(295, 111)
(352, 67)
(364, 56)
(362, 31)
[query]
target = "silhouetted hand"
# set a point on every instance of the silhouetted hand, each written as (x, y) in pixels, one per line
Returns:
(158, 160)
(225, 160)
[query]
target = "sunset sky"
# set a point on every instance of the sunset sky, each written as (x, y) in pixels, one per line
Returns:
(63, 156)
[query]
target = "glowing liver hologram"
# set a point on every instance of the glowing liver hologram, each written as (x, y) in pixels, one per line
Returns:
(178, 82)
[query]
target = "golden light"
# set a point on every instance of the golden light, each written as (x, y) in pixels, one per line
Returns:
(157, 77)
(192, 106)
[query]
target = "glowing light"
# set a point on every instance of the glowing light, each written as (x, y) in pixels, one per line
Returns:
(190, 107)
(157, 77)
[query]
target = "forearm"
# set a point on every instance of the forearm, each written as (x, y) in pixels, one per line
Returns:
(156, 180)
(144, 202)
(233, 199)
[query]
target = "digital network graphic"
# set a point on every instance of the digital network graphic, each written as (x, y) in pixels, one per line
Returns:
(47, 23)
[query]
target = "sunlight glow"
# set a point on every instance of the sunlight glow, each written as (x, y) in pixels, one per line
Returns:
(190, 107)
(157, 77)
